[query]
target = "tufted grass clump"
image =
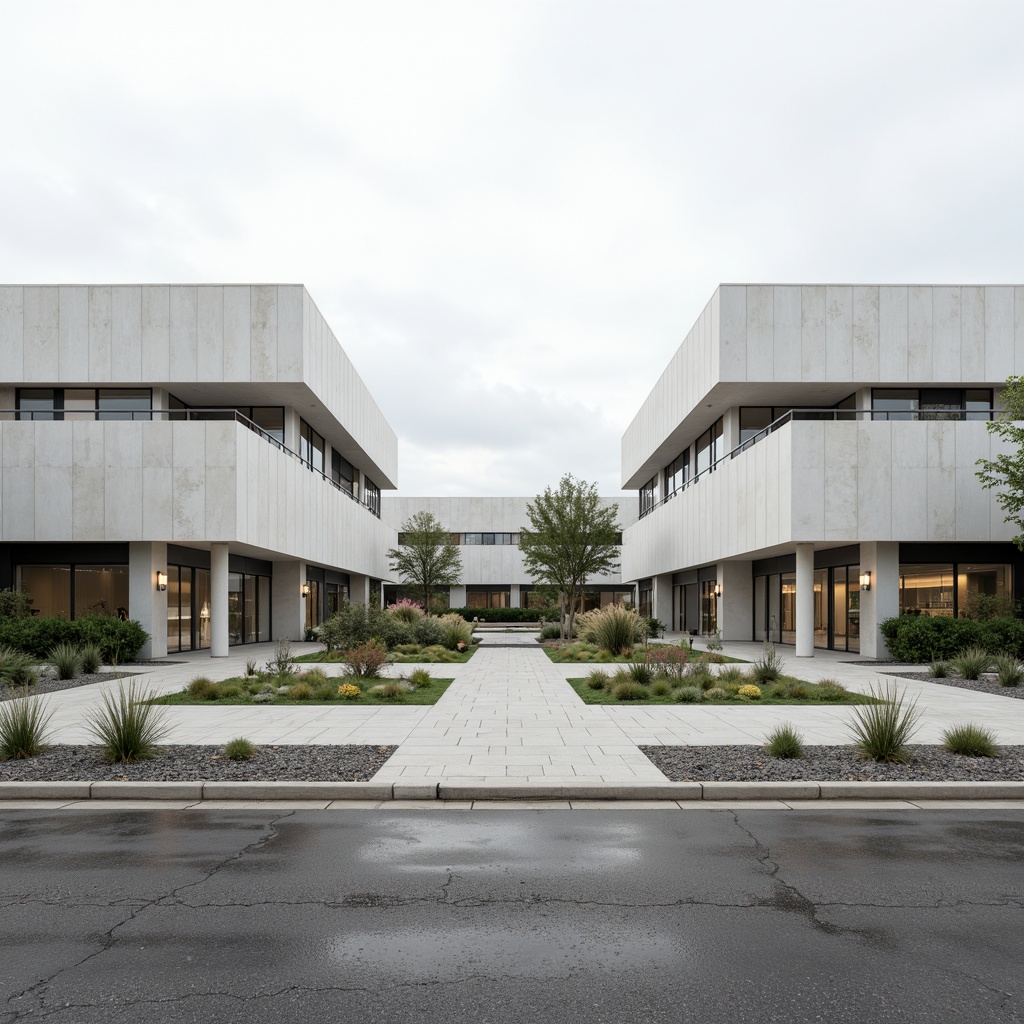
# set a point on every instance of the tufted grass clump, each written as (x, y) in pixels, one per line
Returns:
(882, 731)
(239, 749)
(597, 680)
(389, 691)
(640, 672)
(16, 668)
(971, 662)
(202, 688)
(768, 667)
(660, 688)
(126, 727)
(689, 695)
(92, 658)
(301, 691)
(784, 742)
(1008, 669)
(830, 689)
(66, 660)
(969, 740)
(419, 678)
(314, 677)
(939, 668)
(24, 723)
(716, 693)
(630, 689)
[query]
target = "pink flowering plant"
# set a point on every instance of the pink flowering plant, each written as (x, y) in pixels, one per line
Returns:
(669, 661)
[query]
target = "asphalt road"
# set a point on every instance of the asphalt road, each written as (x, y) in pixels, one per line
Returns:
(563, 916)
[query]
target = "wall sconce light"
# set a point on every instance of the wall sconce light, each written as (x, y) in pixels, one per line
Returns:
(865, 580)
(161, 581)
(305, 589)
(718, 590)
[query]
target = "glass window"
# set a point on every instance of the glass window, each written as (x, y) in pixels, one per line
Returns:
(342, 473)
(984, 590)
(79, 403)
(821, 607)
(648, 495)
(313, 604)
(894, 403)
(753, 420)
(263, 617)
(270, 419)
(677, 473)
(123, 404)
(787, 608)
(708, 607)
(249, 608)
(101, 590)
(978, 403)
(202, 604)
(35, 403)
(371, 496)
(311, 447)
(236, 627)
(926, 589)
(49, 587)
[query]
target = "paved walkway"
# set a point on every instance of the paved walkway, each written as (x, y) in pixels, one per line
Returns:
(510, 715)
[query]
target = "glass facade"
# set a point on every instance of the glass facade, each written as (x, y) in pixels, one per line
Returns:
(71, 591)
(955, 589)
(488, 597)
(84, 403)
(371, 496)
(188, 608)
(248, 608)
(931, 403)
(311, 447)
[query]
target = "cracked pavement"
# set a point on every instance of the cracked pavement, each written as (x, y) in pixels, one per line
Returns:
(712, 916)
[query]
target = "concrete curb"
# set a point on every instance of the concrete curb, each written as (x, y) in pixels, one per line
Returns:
(386, 791)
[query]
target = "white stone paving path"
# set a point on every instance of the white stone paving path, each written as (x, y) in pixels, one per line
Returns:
(510, 715)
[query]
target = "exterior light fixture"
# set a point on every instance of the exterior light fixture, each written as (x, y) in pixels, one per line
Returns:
(305, 589)
(718, 590)
(161, 581)
(865, 580)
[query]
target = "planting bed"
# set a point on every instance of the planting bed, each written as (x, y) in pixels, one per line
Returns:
(421, 656)
(49, 684)
(422, 695)
(814, 697)
(964, 684)
(70, 763)
(831, 764)
(585, 654)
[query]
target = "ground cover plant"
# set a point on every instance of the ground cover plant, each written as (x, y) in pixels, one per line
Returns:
(970, 740)
(23, 727)
(581, 652)
(403, 654)
(882, 730)
(308, 688)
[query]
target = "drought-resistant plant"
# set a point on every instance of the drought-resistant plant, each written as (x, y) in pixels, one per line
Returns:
(882, 731)
(830, 689)
(716, 693)
(281, 663)
(126, 727)
(408, 611)
(419, 678)
(971, 662)
(597, 680)
(970, 740)
(661, 687)
(23, 727)
(669, 661)
(916, 638)
(250, 667)
(16, 668)
(366, 660)
(784, 742)
(428, 631)
(389, 691)
(939, 668)
(1008, 669)
(640, 672)
(614, 628)
(750, 691)
(689, 695)
(797, 691)
(301, 691)
(66, 661)
(349, 691)
(314, 677)
(768, 667)
(551, 632)
(239, 749)
(201, 688)
(629, 689)
(714, 641)
(92, 658)
(263, 697)
(456, 630)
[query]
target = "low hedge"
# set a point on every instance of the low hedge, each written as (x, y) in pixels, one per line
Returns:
(507, 614)
(118, 640)
(917, 638)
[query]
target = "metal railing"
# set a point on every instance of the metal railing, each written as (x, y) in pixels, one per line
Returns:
(176, 415)
(929, 415)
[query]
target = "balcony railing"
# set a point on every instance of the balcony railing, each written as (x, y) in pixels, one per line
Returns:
(48, 415)
(929, 415)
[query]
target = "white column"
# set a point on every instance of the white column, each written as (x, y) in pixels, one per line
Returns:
(358, 588)
(146, 604)
(882, 601)
(287, 605)
(662, 599)
(513, 596)
(218, 600)
(805, 600)
(735, 604)
(457, 597)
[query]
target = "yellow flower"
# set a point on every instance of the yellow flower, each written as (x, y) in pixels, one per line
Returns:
(348, 691)
(751, 691)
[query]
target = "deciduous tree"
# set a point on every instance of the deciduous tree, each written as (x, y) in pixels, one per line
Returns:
(427, 558)
(1006, 471)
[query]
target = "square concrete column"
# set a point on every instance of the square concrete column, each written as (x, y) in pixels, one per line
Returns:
(805, 600)
(146, 604)
(735, 603)
(882, 601)
(513, 596)
(219, 601)
(287, 605)
(457, 597)
(661, 598)
(358, 588)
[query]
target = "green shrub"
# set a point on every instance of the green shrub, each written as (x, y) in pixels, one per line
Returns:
(355, 624)
(16, 668)
(250, 667)
(239, 749)
(455, 631)
(1003, 635)
(427, 631)
(970, 741)
(366, 660)
(614, 628)
(15, 604)
(939, 669)
(830, 690)
(118, 641)
(689, 695)
(881, 731)
(630, 689)
(698, 674)
(227, 690)
(389, 691)
(66, 660)
(325, 691)
(985, 607)
(126, 728)
(506, 614)
(768, 667)
(733, 674)
(661, 688)
(23, 727)
(301, 691)
(716, 693)
(971, 662)
(552, 632)
(201, 688)
(640, 672)
(784, 742)
(597, 680)
(1008, 669)
(797, 691)
(92, 658)
(409, 612)
(314, 677)
(918, 638)
(419, 678)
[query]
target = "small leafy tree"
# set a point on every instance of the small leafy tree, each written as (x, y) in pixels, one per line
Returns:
(571, 537)
(1006, 471)
(428, 559)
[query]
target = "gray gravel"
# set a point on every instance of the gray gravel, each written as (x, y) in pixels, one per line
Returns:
(50, 684)
(964, 684)
(69, 763)
(831, 764)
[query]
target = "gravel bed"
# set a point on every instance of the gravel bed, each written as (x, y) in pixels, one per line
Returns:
(290, 763)
(982, 686)
(831, 764)
(50, 684)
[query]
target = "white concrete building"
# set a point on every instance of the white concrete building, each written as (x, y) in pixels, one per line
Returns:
(806, 463)
(204, 459)
(487, 530)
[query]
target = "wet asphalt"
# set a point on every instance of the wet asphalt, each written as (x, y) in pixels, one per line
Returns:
(508, 916)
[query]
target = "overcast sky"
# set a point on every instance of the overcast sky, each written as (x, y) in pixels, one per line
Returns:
(511, 214)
